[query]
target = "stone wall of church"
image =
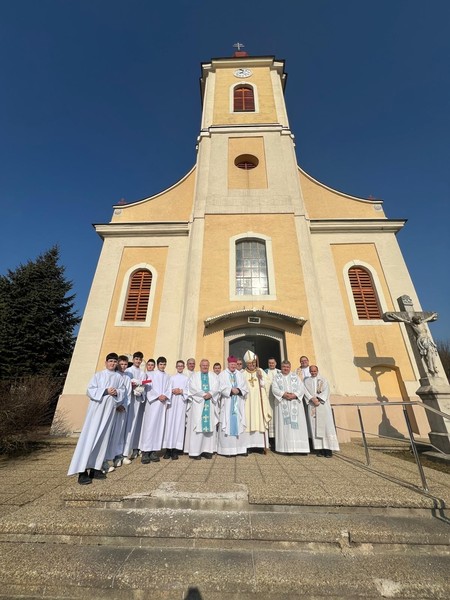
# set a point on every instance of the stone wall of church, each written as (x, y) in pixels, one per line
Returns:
(217, 288)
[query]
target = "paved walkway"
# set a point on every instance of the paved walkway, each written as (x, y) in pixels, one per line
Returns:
(39, 480)
(268, 527)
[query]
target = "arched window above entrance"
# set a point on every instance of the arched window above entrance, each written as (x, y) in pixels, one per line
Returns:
(251, 267)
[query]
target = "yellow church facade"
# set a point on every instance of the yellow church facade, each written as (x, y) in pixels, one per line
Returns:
(249, 251)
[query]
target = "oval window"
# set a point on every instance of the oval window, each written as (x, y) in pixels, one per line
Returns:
(246, 162)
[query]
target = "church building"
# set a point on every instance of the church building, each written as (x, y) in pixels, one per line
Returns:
(248, 251)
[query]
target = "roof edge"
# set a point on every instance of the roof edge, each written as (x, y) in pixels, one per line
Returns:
(343, 194)
(177, 183)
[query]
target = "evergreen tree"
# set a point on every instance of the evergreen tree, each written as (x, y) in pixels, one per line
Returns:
(444, 353)
(37, 318)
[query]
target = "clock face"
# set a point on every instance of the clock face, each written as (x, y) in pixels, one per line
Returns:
(242, 73)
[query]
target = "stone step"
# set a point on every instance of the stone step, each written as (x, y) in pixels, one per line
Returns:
(180, 542)
(136, 527)
(44, 570)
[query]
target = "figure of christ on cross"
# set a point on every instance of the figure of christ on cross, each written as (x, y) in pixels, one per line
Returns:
(417, 321)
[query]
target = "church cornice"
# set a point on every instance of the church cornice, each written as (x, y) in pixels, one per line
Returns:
(250, 61)
(254, 312)
(253, 128)
(139, 229)
(356, 225)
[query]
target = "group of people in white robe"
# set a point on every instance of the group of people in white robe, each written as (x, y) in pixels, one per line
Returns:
(230, 412)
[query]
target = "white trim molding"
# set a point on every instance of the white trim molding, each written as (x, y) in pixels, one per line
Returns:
(355, 225)
(254, 312)
(377, 288)
(119, 322)
(139, 229)
(251, 235)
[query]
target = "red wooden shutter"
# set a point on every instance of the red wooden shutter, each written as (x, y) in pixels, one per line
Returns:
(138, 295)
(364, 295)
(244, 100)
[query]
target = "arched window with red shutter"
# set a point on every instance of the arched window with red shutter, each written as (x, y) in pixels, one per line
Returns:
(364, 294)
(243, 99)
(138, 295)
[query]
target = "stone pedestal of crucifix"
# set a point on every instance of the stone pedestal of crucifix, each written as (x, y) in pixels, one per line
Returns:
(434, 388)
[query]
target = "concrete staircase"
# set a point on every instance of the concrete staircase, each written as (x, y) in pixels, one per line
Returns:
(175, 544)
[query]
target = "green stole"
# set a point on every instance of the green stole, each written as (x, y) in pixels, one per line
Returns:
(206, 413)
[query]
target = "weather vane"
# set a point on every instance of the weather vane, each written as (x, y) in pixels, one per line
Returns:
(238, 45)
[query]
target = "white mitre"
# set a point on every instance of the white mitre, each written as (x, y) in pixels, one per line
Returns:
(249, 356)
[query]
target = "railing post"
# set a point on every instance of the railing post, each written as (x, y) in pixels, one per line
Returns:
(414, 449)
(363, 433)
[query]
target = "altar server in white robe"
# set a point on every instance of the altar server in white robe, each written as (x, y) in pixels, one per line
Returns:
(190, 370)
(271, 371)
(323, 431)
(150, 366)
(158, 398)
(176, 413)
(233, 393)
(106, 391)
(291, 431)
(201, 434)
(135, 409)
(257, 409)
(114, 452)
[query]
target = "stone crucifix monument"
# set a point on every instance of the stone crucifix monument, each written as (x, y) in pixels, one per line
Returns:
(434, 389)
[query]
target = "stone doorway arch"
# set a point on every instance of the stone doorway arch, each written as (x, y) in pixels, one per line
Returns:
(262, 341)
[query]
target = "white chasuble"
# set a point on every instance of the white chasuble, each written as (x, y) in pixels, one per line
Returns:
(201, 434)
(291, 431)
(323, 431)
(232, 414)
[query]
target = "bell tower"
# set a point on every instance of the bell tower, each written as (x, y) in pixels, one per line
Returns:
(248, 189)
(246, 148)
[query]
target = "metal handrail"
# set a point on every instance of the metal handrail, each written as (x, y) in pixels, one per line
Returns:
(358, 405)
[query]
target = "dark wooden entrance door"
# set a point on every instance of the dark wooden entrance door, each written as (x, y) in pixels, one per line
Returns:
(263, 346)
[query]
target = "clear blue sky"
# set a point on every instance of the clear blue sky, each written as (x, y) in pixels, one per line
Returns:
(83, 123)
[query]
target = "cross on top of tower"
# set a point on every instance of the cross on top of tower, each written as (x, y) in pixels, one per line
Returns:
(239, 52)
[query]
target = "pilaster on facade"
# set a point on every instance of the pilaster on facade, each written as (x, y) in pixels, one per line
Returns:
(322, 347)
(191, 297)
